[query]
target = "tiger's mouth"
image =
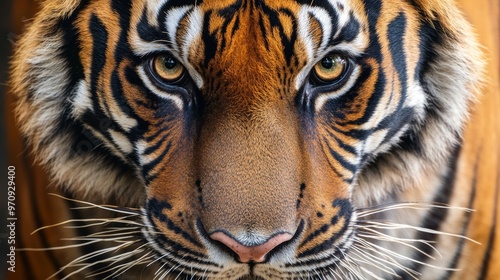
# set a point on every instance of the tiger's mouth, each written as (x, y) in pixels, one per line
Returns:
(280, 256)
(131, 242)
(355, 252)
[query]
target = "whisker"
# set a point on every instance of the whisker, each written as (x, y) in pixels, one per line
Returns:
(96, 222)
(396, 226)
(112, 208)
(402, 241)
(79, 262)
(365, 258)
(382, 250)
(383, 256)
(122, 268)
(56, 248)
(369, 211)
(158, 259)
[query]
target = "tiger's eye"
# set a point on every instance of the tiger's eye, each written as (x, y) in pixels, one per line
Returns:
(167, 68)
(331, 68)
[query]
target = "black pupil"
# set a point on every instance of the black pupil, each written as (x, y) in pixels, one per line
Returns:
(170, 63)
(327, 62)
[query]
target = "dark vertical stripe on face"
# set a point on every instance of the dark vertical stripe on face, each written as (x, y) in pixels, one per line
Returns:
(150, 33)
(487, 261)
(396, 32)
(402, 116)
(97, 119)
(348, 32)
(434, 217)
(99, 46)
(275, 22)
(209, 40)
(372, 9)
(429, 37)
(122, 51)
(122, 8)
(264, 33)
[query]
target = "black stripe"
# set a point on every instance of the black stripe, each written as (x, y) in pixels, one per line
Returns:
(491, 240)
(396, 121)
(465, 225)
(99, 43)
(155, 208)
(209, 40)
(339, 158)
(395, 36)
(348, 32)
(69, 53)
(275, 22)
(348, 148)
(164, 138)
(150, 166)
(149, 33)
(434, 217)
(345, 211)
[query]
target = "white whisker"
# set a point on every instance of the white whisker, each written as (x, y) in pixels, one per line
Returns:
(363, 212)
(112, 208)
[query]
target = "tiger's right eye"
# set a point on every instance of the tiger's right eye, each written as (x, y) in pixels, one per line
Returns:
(167, 69)
(331, 69)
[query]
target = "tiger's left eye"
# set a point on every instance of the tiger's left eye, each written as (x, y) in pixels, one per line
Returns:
(331, 69)
(167, 69)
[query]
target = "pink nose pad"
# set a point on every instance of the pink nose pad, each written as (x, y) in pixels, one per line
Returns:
(254, 253)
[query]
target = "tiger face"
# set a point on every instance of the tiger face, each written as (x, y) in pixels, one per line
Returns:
(254, 135)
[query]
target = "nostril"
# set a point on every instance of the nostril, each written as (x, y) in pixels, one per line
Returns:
(251, 253)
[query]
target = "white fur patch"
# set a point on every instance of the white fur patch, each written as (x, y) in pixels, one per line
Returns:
(193, 33)
(121, 141)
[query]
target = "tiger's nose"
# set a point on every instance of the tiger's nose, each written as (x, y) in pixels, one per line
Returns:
(255, 253)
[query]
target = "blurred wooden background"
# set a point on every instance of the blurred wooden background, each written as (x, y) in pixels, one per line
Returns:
(31, 181)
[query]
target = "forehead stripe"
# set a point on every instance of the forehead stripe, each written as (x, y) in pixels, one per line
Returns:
(172, 21)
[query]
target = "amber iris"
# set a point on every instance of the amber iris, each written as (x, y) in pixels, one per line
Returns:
(331, 68)
(167, 68)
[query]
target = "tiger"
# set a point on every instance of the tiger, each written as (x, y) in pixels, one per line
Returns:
(259, 139)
